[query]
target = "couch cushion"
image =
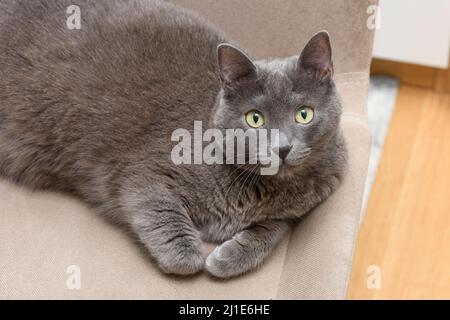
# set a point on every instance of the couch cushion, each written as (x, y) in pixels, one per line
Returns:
(42, 234)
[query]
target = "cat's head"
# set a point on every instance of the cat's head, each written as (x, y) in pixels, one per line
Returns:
(296, 95)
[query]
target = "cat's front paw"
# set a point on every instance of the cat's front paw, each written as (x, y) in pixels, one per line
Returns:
(230, 259)
(186, 263)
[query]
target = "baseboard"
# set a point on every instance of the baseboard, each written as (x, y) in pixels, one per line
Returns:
(432, 78)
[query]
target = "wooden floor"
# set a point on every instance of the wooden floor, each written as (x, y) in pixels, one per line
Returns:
(406, 232)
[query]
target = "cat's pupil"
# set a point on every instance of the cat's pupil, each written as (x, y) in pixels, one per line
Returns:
(256, 117)
(304, 114)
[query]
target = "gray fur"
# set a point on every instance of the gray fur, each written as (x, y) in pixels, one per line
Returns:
(91, 112)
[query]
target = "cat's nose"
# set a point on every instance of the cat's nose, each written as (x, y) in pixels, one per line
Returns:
(284, 151)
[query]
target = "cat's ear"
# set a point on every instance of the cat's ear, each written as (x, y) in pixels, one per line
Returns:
(234, 66)
(315, 58)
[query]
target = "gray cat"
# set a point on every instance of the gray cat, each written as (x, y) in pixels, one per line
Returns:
(91, 112)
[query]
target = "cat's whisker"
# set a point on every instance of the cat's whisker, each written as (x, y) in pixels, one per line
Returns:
(245, 177)
(254, 179)
(243, 186)
(236, 179)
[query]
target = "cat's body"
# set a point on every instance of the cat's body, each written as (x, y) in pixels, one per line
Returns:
(92, 111)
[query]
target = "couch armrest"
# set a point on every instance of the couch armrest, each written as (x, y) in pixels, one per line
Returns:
(319, 256)
(320, 251)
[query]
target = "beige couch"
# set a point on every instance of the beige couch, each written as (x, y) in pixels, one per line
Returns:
(43, 234)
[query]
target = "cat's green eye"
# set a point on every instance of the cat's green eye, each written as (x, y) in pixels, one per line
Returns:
(304, 115)
(255, 119)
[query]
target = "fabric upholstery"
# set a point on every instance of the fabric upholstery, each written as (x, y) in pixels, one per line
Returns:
(43, 233)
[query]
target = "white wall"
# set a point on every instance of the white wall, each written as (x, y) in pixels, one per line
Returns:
(414, 31)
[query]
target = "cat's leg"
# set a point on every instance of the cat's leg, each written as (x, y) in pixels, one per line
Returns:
(246, 250)
(166, 230)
